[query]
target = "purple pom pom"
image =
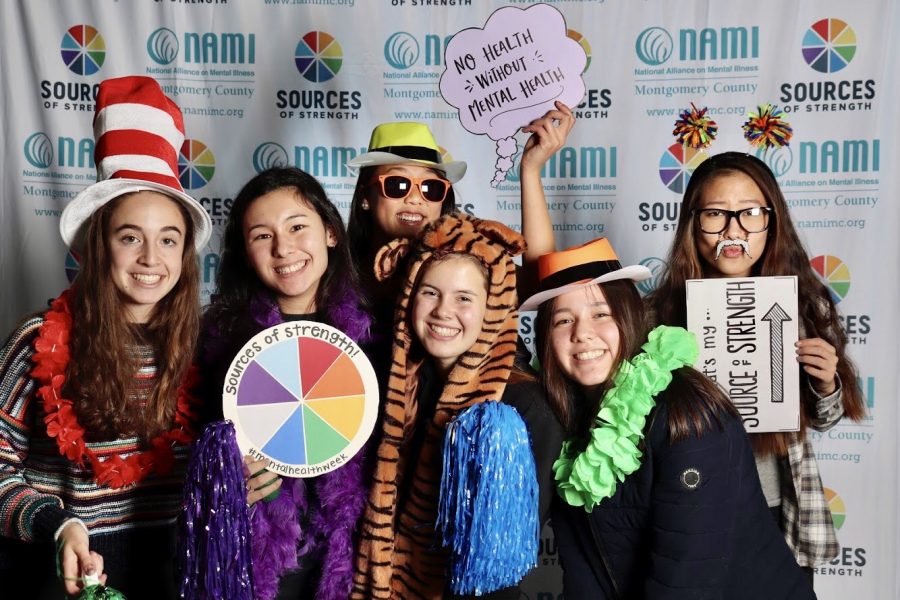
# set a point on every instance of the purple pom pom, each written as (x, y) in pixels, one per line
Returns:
(215, 525)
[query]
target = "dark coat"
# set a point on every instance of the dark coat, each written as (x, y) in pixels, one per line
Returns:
(667, 533)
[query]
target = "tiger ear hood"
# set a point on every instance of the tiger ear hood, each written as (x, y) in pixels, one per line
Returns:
(486, 240)
(398, 557)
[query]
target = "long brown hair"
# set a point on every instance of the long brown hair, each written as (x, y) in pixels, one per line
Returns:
(784, 254)
(102, 369)
(238, 282)
(696, 403)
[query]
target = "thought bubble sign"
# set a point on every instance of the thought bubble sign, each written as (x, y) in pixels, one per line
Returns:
(505, 75)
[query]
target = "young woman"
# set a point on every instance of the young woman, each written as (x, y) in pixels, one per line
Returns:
(286, 257)
(660, 498)
(95, 413)
(404, 185)
(734, 222)
(453, 348)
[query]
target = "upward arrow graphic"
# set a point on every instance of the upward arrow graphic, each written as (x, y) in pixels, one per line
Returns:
(776, 318)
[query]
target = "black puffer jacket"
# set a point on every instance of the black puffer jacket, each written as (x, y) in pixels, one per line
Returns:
(691, 522)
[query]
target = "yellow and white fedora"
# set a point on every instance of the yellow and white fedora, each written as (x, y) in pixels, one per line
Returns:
(407, 142)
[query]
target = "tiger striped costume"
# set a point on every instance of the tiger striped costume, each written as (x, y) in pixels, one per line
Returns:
(399, 555)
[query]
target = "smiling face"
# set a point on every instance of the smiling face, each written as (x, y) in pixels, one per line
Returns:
(287, 246)
(146, 243)
(400, 218)
(584, 336)
(448, 309)
(731, 191)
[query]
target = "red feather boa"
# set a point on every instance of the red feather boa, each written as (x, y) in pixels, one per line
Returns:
(50, 359)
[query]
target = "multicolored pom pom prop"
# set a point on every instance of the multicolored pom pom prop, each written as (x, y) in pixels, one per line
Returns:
(766, 128)
(693, 128)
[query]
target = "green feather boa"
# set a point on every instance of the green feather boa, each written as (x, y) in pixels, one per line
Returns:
(585, 478)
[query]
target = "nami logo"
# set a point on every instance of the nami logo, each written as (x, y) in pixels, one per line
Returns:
(39, 150)
(83, 49)
(574, 162)
(866, 384)
(57, 169)
(841, 156)
(162, 46)
(401, 50)
(196, 164)
(410, 62)
(656, 266)
(778, 160)
(210, 259)
(269, 155)
(654, 46)
(318, 56)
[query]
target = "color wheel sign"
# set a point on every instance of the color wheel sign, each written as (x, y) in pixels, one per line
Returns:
(303, 395)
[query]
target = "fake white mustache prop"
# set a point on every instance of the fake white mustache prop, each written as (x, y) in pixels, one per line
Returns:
(744, 244)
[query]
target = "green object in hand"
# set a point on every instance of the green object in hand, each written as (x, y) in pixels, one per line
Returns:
(101, 592)
(272, 495)
(93, 590)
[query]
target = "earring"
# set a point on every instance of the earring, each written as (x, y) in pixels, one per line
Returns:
(365, 205)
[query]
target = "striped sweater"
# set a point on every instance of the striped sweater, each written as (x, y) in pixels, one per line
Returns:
(39, 488)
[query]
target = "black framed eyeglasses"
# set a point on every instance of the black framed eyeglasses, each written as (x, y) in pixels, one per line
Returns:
(398, 187)
(717, 220)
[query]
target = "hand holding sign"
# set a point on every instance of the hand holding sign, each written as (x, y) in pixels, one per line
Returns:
(548, 135)
(819, 360)
(510, 72)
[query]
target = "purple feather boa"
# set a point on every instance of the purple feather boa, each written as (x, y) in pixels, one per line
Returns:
(277, 538)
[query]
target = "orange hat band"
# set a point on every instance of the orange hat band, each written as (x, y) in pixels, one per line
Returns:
(576, 273)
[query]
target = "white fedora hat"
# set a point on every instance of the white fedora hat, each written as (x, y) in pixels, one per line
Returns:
(574, 268)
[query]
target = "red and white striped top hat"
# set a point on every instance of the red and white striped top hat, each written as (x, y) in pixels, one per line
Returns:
(138, 132)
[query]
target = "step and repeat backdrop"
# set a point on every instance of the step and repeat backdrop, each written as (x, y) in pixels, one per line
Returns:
(302, 82)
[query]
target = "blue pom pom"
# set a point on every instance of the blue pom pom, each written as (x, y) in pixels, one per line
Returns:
(489, 499)
(214, 541)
